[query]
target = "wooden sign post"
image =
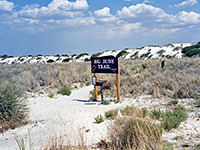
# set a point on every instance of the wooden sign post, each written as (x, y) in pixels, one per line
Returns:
(118, 82)
(107, 64)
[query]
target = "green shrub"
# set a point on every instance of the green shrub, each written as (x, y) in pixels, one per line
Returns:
(99, 119)
(175, 96)
(105, 102)
(13, 108)
(157, 113)
(122, 53)
(66, 60)
(192, 50)
(172, 119)
(65, 91)
(111, 113)
(174, 102)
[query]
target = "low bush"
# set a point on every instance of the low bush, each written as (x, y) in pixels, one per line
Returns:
(105, 102)
(65, 91)
(13, 108)
(99, 119)
(111, 113)
(172, 119)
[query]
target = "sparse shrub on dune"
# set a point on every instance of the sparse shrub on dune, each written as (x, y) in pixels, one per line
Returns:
(65, 91)
(172, 119)
(99, 119)
(13, 109)
(111, 113)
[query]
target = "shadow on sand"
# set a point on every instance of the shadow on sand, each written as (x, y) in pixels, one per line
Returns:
(87, 102)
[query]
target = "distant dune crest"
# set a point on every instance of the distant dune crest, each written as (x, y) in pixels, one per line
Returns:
(148, 52)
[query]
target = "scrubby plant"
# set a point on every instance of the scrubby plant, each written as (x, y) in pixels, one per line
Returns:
(174, 102)
(156, 113)
(122, 53)
(105, 102)
(172, 119)
(99, 119)
(135, 134)
(13, 108)
(175, 95)
(111, 113)
(65, 91)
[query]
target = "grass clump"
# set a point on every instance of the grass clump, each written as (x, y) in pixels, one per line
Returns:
(99, 119)
(174, 102)
(135, 134)
(13, 108)
(156, 113)
(111, 113)
(65, 91)
(172, 119)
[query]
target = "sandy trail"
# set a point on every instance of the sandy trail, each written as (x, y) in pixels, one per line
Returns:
(60, 115)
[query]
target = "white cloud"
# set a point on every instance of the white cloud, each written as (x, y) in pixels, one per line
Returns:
(188, 17)
(57, 10)
(124, 30)
(103, 15)
(78, 5)
(6, 6)
(186, 3)
(143, 10)
(105, 12)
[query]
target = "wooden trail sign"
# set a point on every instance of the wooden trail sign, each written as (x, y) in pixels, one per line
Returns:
(106, 64)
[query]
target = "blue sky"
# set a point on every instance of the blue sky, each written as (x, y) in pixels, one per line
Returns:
(31, 27)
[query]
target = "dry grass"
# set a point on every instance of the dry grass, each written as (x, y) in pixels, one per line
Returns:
(179, 79)
(135, 134)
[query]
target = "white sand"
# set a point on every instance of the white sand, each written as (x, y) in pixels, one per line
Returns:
(63, 115)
